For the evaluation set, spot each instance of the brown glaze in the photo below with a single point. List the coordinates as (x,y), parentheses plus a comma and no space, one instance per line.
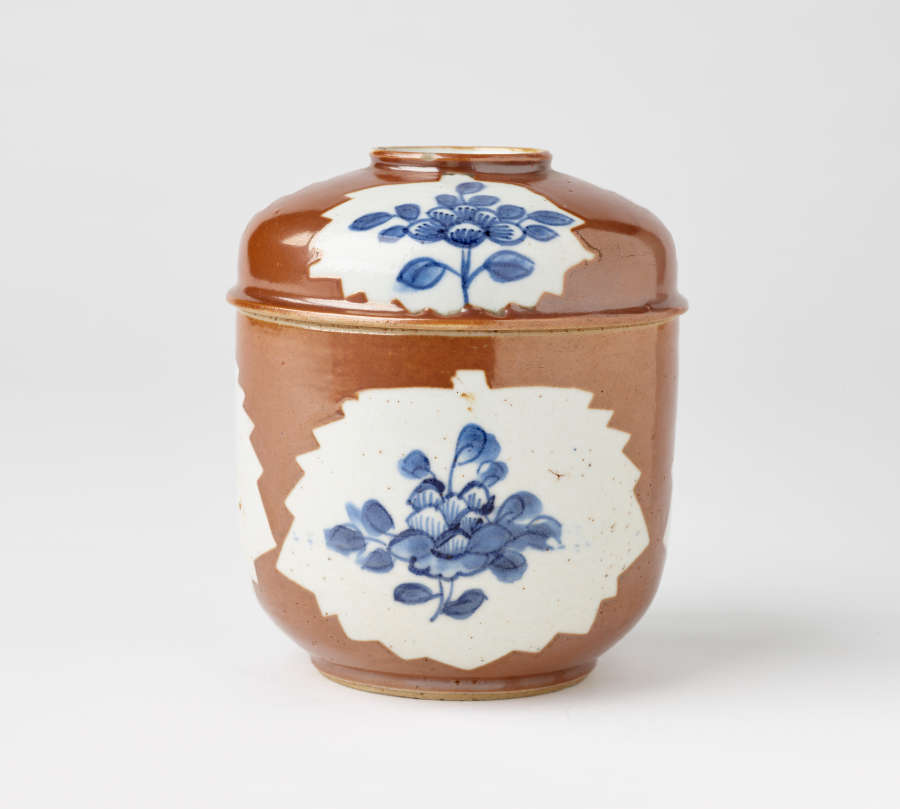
(296,378)
(304,348)
(633,272)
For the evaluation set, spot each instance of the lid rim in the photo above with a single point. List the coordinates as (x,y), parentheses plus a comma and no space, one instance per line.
(474,158)
(462,323)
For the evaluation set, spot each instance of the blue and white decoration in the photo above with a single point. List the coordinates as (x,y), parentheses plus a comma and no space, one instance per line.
(465,220)
(441,245)
(462,524)
(450,533)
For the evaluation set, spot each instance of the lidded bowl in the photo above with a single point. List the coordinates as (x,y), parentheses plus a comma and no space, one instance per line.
(457,374)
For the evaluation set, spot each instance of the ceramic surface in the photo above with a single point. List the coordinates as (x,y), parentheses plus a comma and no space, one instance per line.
(454,457)
(446,243)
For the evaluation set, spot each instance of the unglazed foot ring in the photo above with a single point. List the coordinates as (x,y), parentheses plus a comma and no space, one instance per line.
(456,689)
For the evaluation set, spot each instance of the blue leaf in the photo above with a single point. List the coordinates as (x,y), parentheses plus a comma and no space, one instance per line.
(551,218)
(508,265)
(379,561)
(375,518)
(370,220)
(415,465)
(517,506)
(470,443)
(353,513)
(344,539)
(411,544)
(546,526)
(484,200)
(408,212)
(490,450)
(489,538)
(422,273)
(537,534)
(511,213)
(527,540)
(468,188)
(392,234)
(491,473)
(465,605)
(447,200)
(540,233)
(410,593)
(508,566)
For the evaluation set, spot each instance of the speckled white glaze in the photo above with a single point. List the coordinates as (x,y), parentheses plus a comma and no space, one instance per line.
(555,446)
(365,263)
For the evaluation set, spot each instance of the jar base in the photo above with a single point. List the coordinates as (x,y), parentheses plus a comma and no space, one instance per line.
(396,685)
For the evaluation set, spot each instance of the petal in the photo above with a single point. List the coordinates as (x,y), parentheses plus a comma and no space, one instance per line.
(489,538)
(453,508)
(427,565)
(467,234)
(426,230)
(449,200)
(470,523)
(453,545)
(475,494)
(429,521)
(427,493)
(506,233)
(484,217)
(411,544)
(464,213)
(443,215)
(437,567)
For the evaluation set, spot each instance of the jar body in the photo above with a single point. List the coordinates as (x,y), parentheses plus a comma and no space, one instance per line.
(456,514)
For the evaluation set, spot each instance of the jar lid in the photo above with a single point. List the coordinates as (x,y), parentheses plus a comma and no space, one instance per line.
(457,238)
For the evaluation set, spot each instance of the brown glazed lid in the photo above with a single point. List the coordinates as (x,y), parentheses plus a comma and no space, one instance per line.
(457,238)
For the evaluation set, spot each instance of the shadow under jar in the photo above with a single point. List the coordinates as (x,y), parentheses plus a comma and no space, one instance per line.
(457,374)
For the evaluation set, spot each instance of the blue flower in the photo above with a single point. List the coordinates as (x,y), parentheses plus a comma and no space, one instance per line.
(465,226)
(465,220)
(450,534)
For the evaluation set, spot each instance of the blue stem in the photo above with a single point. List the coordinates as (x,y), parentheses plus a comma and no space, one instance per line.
(464,273)
(440,603)
(450,478)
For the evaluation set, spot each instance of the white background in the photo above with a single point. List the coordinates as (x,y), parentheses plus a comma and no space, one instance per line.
(137,140)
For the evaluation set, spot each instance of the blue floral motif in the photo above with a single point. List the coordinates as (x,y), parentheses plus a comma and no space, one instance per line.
(465,220)
(450,533)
